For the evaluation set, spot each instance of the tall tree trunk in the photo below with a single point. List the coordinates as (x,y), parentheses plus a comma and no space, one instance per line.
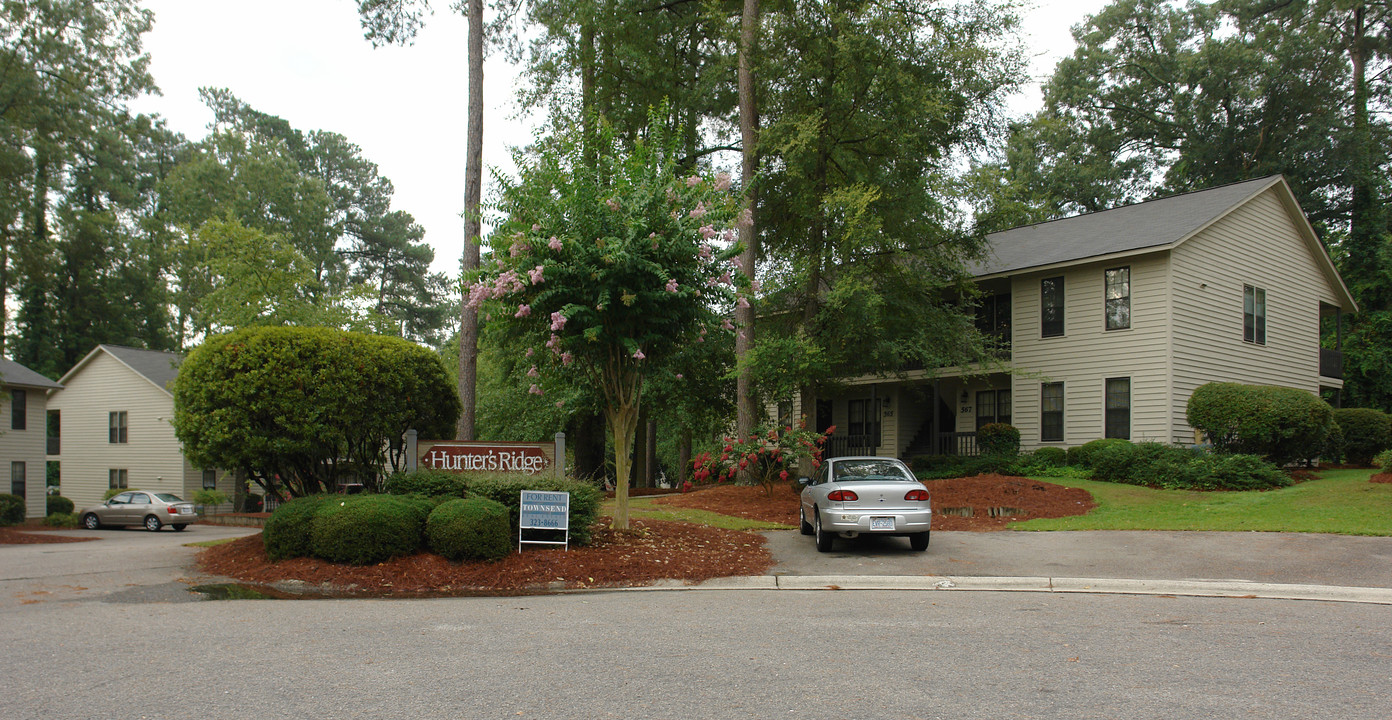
(587,87)
(623,420)
(683,458)
(4,285)
(473,192)
(650,454)
(749,121)
(1364,225)
(641,473)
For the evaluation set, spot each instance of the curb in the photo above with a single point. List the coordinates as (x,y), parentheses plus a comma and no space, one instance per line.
(1096,586)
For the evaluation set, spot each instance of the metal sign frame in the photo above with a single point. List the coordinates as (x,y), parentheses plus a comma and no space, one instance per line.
(543,515)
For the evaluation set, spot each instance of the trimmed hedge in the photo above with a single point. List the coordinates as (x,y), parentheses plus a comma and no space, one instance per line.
(61,519)
(1366,432)
(288,530)
(998,439)
(58,504)
(11,509)
(368,529)
(472,529)
(1049,457)
(1177,468)
(431,483)
(1279,423)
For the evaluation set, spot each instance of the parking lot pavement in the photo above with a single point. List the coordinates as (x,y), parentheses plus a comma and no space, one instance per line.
(1296,558)
(130,563)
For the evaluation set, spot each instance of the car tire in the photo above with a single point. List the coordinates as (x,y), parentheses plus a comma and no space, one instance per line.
(919,541)
(91,521)
(824,539)
(153,523)
(180,526)
(804,527)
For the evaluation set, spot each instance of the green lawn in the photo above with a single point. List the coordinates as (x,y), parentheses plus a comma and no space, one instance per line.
(1340,501)
(644,507)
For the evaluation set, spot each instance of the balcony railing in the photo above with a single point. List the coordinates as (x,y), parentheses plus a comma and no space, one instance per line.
(1331,364)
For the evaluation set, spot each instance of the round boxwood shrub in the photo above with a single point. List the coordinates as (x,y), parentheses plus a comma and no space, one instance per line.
(367,529)
(288,531)
(58,504)
(472,529)
(1113,462)
(1383,461)
(1334,445)
(998,439)
(61,519)
(11,509)
(1049,457)
(1081,456)
(1366,433)
(1282,424)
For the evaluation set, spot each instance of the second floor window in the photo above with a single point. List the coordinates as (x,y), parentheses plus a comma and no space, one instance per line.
(19,408)
(1051,307)
(993,317)
(1118,298)
(116,427)
(55,431)
(1253,314)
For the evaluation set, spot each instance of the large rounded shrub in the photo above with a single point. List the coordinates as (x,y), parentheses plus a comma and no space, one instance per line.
(472,529)
(367,529)
(1081,456)
(1279,423)
(998,439)
(11,509)
(1049,457)
(58,504)
(287,532)
(1366,432)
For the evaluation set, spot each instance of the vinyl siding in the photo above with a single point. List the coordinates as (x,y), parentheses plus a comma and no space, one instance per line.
(1257,244)
(1087,353)
(152,455)
(26,446)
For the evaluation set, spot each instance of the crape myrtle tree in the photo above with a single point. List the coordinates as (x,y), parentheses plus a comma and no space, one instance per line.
(300,409)
(612,265)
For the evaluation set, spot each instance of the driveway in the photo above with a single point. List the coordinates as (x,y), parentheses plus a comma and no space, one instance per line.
(122,564)
(1296,558)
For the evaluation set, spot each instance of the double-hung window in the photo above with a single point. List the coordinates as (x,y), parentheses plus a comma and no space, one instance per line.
(1253,314)
(1118,408)
(116,479)
(1117,291)
(864,421)
(1051,412)
(17,479)
(992,406)
(116,427)
(19,408)
(209,479)
(1051,307)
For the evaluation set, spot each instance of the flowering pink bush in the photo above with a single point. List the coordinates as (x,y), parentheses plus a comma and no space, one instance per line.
(769,455)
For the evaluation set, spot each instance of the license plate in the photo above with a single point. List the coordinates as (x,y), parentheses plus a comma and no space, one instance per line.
(185,510)
(881,523)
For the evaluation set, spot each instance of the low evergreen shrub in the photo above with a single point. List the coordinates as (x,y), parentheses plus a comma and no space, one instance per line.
(1279,423)
(506,489)
(288,531)
(1081,456)
(1049,457)
(58,504)
(1383,461)
(1334,445)
(11,509)
(998,439)
(430,483)
(1178,468)
(367,529)
(472,529)
(61,519)
(1366,432)
(209,497)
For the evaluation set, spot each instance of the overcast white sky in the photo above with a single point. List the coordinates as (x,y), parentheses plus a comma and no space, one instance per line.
(307,61)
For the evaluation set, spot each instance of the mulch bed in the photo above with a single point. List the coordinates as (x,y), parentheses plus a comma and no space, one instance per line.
(1381,478)
(981,493)
(35,534)
(651,550)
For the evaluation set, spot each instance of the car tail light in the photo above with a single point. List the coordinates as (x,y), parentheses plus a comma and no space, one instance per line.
(842,496)
(171,510)
(917,495)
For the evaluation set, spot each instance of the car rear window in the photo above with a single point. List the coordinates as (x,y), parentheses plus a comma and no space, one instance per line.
(169,497)
(861,470)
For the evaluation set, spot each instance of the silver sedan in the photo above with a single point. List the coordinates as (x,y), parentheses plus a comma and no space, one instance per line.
(851,496)
(137,507)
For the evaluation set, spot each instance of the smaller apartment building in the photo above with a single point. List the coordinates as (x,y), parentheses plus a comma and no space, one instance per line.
(23,431)
(116,412)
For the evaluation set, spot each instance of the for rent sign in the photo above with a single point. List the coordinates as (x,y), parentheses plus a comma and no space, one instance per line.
(526,458)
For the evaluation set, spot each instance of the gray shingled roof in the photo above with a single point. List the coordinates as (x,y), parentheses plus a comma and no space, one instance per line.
(1151,224)
(158,366)
(12,373)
